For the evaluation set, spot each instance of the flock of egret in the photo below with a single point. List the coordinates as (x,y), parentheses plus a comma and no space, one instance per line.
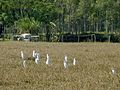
(36,57)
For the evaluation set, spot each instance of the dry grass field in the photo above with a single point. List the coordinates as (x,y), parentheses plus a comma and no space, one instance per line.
(91,72)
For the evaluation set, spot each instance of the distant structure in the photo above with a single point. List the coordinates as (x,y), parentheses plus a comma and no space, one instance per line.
(26,37)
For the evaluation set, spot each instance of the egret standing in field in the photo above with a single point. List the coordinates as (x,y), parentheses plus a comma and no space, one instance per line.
(24,61)
(113,71)
(48,60)
(65,62)
(74,61)
(22,56)
(34,54)
(65,58)
(37,59)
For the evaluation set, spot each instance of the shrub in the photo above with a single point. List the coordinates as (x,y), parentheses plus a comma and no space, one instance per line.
(115,38)
(101,37)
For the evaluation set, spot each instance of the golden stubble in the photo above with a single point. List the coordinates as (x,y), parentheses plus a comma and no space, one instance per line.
(91,72)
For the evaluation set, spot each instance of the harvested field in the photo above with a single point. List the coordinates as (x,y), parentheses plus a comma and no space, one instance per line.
(91,72)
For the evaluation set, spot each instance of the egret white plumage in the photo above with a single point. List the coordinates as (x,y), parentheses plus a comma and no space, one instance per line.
(65,62)
(65,58)
(48,60)
(37,59)
(24,61)
(74,61)
(113,71)
(22,55)
(34,54)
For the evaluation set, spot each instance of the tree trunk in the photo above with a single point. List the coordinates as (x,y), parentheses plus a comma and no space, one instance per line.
(97,25)
(84,23)
(106,23)
(47,33)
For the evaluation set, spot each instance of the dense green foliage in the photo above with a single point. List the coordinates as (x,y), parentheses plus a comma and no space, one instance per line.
(57,17)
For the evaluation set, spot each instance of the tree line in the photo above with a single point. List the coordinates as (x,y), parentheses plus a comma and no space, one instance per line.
(55,18)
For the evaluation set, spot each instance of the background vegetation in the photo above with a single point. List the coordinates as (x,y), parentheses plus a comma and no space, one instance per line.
(51,18)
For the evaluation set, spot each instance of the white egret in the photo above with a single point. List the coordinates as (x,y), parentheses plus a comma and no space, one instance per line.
(74,61)
(65,62)
(33,53)
(113,71)
(24,61)
(65,58)
(36,55)
(37,59)
(48,60)
(22,55)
